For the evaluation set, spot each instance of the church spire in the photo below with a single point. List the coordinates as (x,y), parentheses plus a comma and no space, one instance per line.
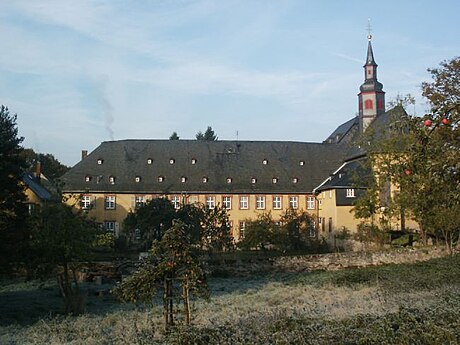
(371,97)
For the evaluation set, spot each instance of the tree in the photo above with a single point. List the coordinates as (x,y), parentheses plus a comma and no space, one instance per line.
(208,135)
(50,166)
(174,136)
(259,233)
(172,261)
(207,228)
(151,219)
(13,232)
(59,239)
(215,233)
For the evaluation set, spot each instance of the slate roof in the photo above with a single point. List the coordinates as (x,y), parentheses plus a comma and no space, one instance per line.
(343,131)
(43,193)
(216,160)
(350,175)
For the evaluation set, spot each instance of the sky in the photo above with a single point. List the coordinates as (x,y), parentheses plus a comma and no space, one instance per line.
(77,73)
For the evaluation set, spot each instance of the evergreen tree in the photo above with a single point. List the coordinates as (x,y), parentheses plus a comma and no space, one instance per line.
(174,136)
(208,135)
(50,166)
(12,198)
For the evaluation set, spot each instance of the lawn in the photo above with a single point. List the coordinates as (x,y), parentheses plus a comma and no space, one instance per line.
(392,304)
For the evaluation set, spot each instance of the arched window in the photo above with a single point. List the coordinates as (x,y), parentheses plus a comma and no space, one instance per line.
(368,104)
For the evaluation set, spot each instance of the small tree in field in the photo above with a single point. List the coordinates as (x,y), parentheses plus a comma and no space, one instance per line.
(60,238)
(172,263)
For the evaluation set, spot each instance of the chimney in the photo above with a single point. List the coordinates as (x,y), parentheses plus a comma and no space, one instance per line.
(84,153)
(38,171)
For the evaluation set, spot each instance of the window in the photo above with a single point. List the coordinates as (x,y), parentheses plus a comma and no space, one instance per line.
(86,202)
(301,163)
(211,202)
(253,180)
(149,161)
(229,180)
(193,161)
(294,202)
(265,162)
(110,202)
(368,104)
(88,178)
(350,193)
(277,204)
(311,232)
(310,202)
(260,202)
(242,229)
(204,179)
(139,200)
(109,226)
(227,202)
(137,179)
(330,224)
(100,161)
(275,180)
(172,161)
(112,179)
(244,202)
(176,202)
(161,178)
(295,180)
(322,221)
(183,179)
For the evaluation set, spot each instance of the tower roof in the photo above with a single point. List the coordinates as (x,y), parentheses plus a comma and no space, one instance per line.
(370,54)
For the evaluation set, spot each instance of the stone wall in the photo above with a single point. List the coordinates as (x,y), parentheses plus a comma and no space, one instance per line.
(329,261)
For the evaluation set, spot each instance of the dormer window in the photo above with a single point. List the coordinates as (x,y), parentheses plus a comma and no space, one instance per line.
(204,179)
(193,161)
(253,180)
(149,161)
(301,163)
(183,179)
(172,161)
(229,180)
(100,161)
(295,180)
(265,162)
(137,179)
(160,179)
(87,178)
(275,180)
(112,179)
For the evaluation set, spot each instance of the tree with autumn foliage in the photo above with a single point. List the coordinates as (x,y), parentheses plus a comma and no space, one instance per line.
(421,155)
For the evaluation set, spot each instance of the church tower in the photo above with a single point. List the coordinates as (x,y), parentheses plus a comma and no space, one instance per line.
(371,97)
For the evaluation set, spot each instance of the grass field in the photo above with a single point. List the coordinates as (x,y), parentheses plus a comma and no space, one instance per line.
(393,304)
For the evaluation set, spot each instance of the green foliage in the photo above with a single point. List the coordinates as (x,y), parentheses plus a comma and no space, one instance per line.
(174,136)
(260,232)
(172,260)
(60,238)
(207,228)
(289,234)
(50,166)
(152,219)
(369,233)
(208,135)
(13,231)
(105,240)
(215,235)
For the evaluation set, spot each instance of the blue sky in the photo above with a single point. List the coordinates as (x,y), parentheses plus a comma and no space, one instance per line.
(81,72)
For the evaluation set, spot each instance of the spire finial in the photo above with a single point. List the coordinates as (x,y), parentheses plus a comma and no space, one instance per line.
(369,29)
